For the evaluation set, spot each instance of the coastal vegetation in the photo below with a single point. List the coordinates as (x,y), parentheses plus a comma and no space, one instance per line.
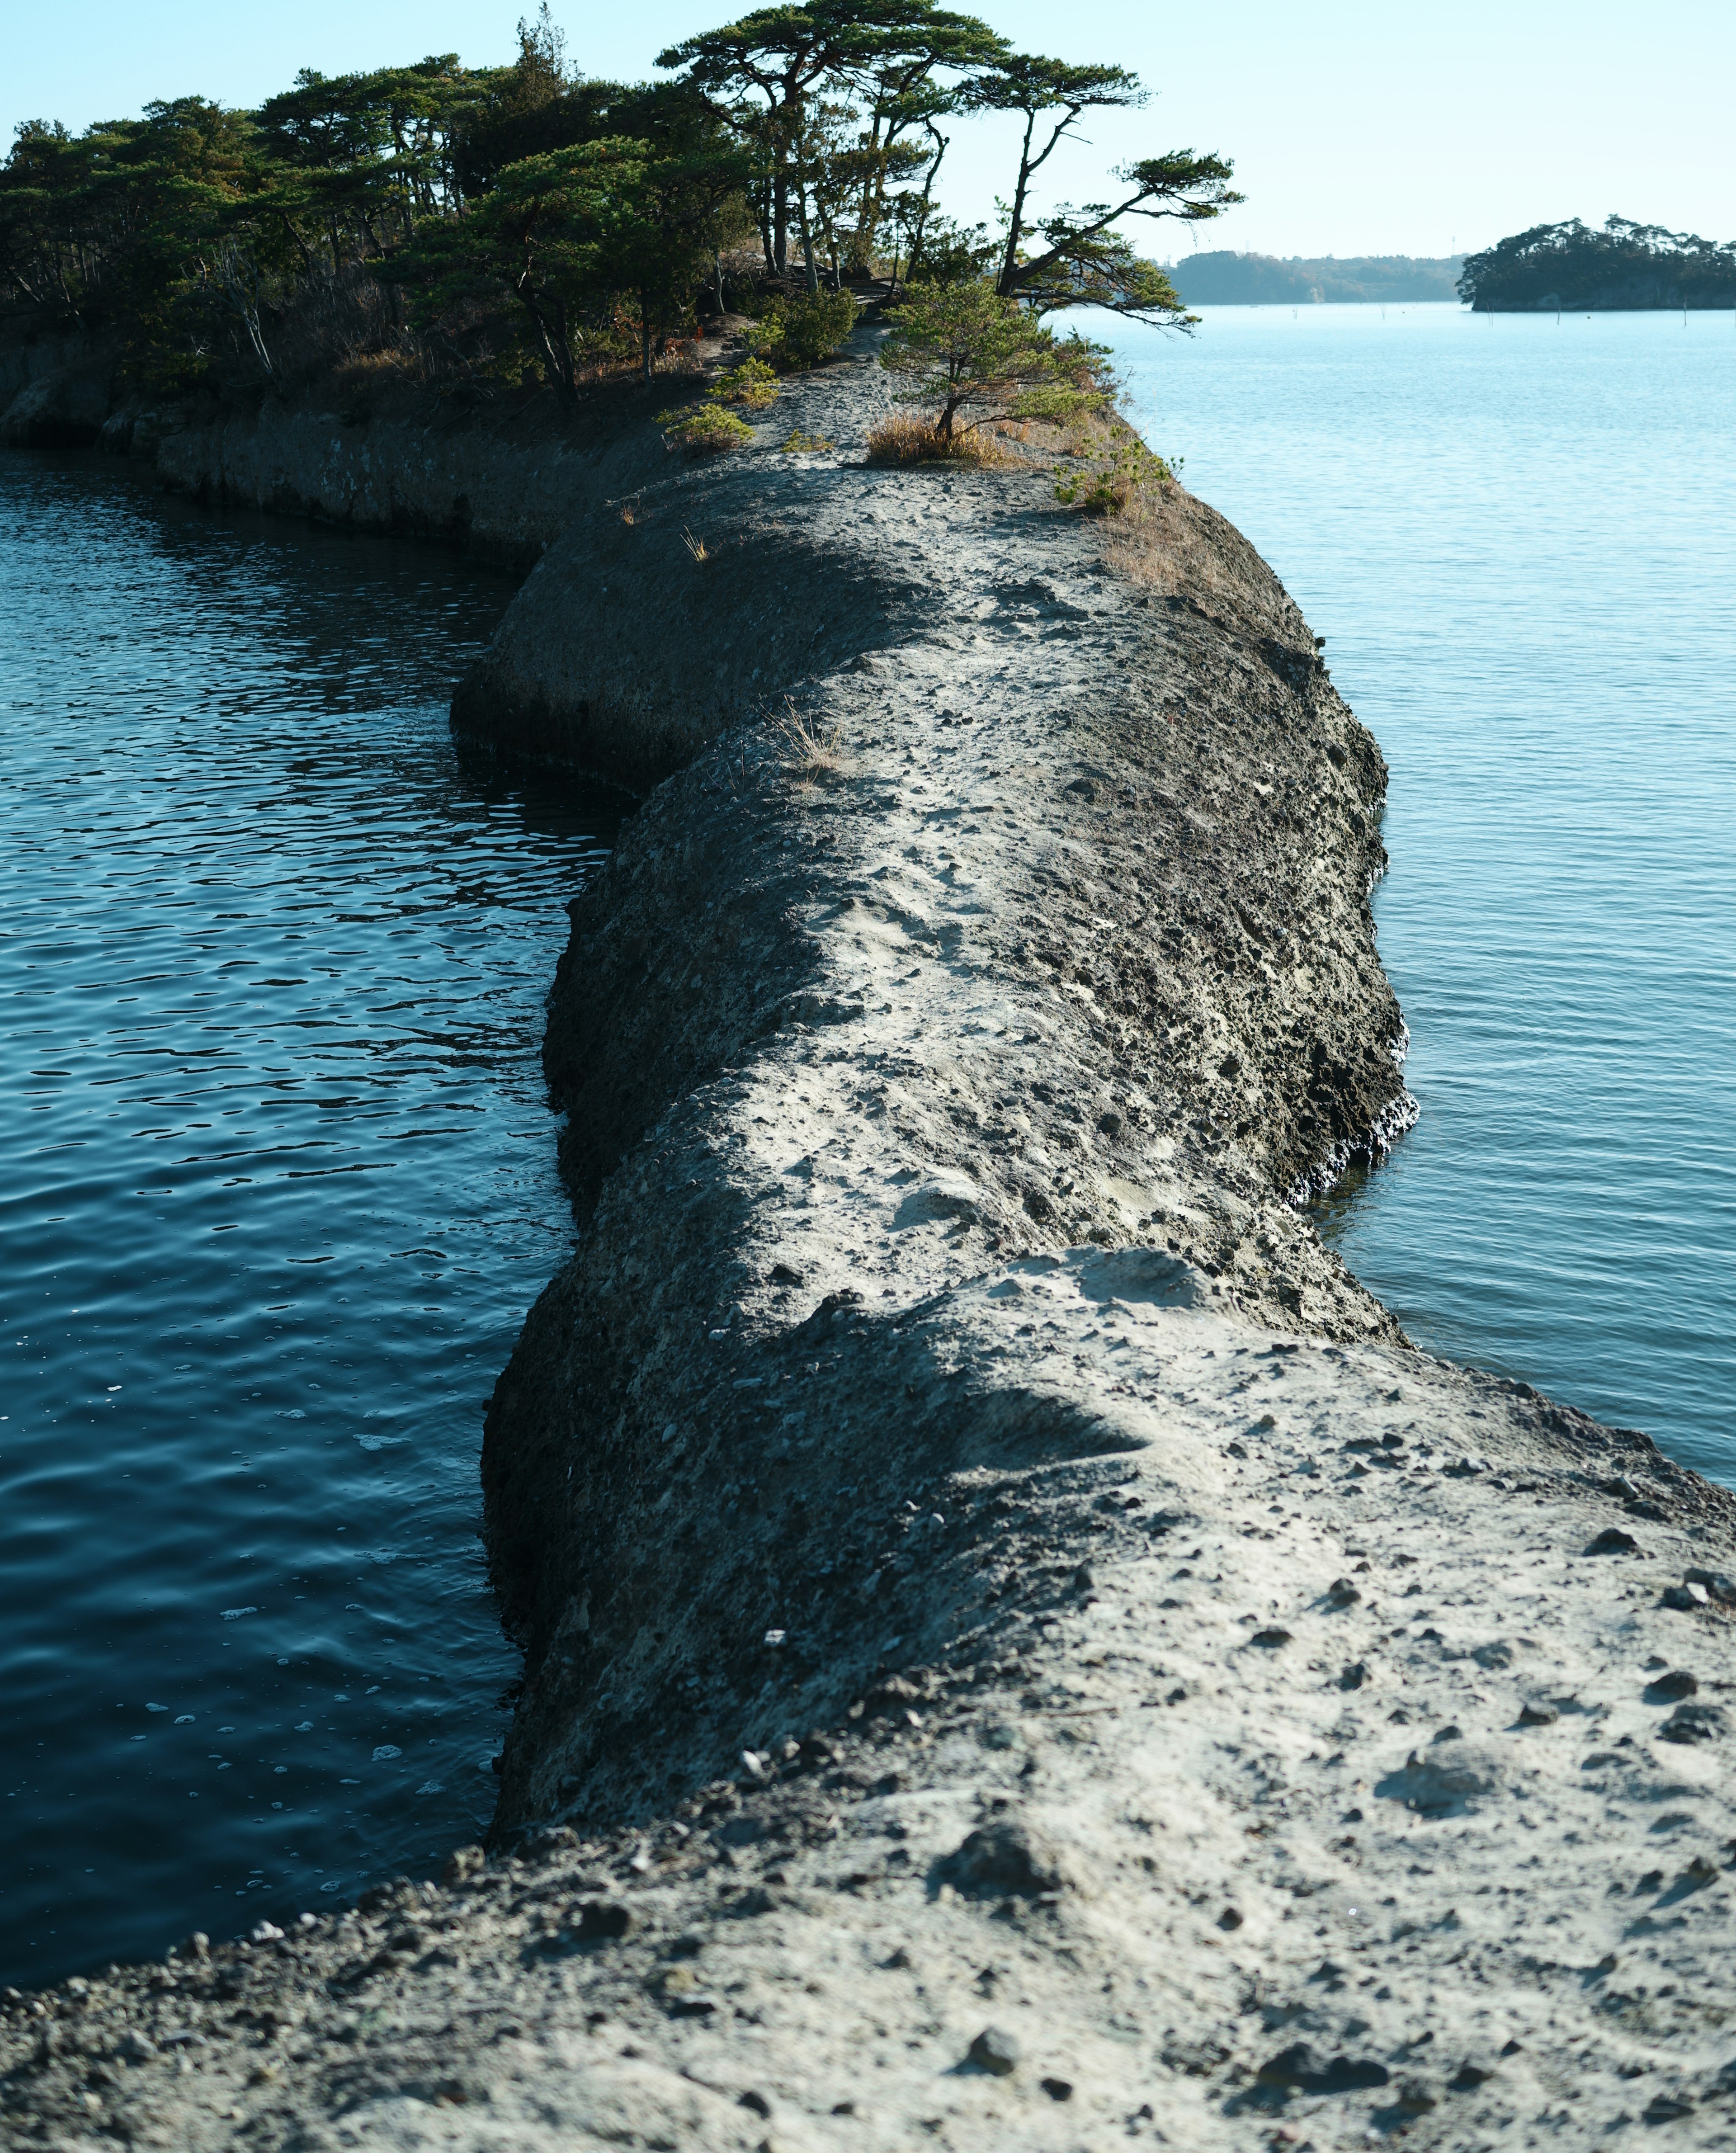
(1624,266)
(983,359)
(439,226)
(1222,279)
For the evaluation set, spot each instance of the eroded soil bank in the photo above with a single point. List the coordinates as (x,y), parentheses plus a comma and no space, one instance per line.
(1019,1650)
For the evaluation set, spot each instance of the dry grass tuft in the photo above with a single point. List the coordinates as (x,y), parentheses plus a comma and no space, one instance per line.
(812,749)
(696,547)
(363,377)
(366,369)
(905,439)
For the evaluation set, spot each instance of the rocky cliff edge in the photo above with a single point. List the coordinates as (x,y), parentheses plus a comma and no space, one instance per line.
(1019,1651)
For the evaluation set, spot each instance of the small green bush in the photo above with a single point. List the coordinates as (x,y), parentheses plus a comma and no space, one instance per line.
(704,430)
(753,382)
(799,332)
(1108,484)
(981,358)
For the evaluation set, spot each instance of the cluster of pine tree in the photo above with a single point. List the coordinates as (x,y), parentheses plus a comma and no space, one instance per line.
(1626,267)
(526,222)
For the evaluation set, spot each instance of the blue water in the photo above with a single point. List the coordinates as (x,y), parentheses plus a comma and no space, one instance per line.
(276,1185)
(1519,538)
(277,1179)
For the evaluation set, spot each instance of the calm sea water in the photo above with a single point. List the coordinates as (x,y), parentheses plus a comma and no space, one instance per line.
(1519,537)
(277,1177)
(276,1184)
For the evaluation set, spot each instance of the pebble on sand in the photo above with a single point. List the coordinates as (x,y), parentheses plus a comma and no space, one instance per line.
(993,2050)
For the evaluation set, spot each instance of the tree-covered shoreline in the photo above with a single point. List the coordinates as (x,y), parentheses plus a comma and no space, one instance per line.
(448,228)
(1223,278)
(1625,267)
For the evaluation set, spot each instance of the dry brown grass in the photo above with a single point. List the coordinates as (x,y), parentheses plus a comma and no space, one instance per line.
(812,751)
(1155,532)
(904,439)
(1174,544)
(364,379)
(366,369)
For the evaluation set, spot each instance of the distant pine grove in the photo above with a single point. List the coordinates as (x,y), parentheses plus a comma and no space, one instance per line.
(1567,267)
(1625,268)
(449,227)
(1224,279)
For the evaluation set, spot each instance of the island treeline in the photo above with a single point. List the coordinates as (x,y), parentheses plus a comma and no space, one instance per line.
(1221,278)
(452,225)
(1625,267)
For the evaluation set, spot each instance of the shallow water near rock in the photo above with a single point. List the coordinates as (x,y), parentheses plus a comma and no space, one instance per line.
(1519,538)
(279,1185)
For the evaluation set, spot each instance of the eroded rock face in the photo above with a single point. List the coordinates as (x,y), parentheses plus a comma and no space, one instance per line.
(63,408)
(504,485)
(1008,1622)
(1024,923)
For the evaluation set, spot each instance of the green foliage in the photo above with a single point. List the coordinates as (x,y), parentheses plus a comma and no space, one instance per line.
(753,382)
(432,221)
(949,253)
(1082,261)
(1114,473)
(982,357)
(1099,270)
(566,233)
(163,227)
(1625,265)
(798,334)
(705,429)
(372,155)
(794,79)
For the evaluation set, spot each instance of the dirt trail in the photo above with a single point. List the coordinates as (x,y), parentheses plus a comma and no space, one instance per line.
(1019,1651)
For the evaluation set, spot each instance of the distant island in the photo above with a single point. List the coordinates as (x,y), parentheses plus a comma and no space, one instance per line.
(1625,267)
(1224,279)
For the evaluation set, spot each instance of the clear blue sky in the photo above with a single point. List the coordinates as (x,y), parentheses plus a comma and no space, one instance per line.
(1354,128)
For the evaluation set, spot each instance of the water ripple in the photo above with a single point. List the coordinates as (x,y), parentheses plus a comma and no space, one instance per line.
(1519,538)
(278,1185)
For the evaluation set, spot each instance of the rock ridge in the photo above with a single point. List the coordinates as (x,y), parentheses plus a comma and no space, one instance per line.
(1019,1651)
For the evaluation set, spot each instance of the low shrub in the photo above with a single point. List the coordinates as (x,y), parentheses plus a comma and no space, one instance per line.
(704,430)
(982,358)
(905,439)
(811,746)
(1114,477)
(753,382)
(798,332)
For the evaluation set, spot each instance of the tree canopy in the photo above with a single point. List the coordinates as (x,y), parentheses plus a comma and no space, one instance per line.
(982,358)
(528,220)
(1626,265)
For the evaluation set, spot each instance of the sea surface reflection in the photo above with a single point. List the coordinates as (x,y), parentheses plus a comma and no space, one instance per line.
(278,1185)
(1518,537)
